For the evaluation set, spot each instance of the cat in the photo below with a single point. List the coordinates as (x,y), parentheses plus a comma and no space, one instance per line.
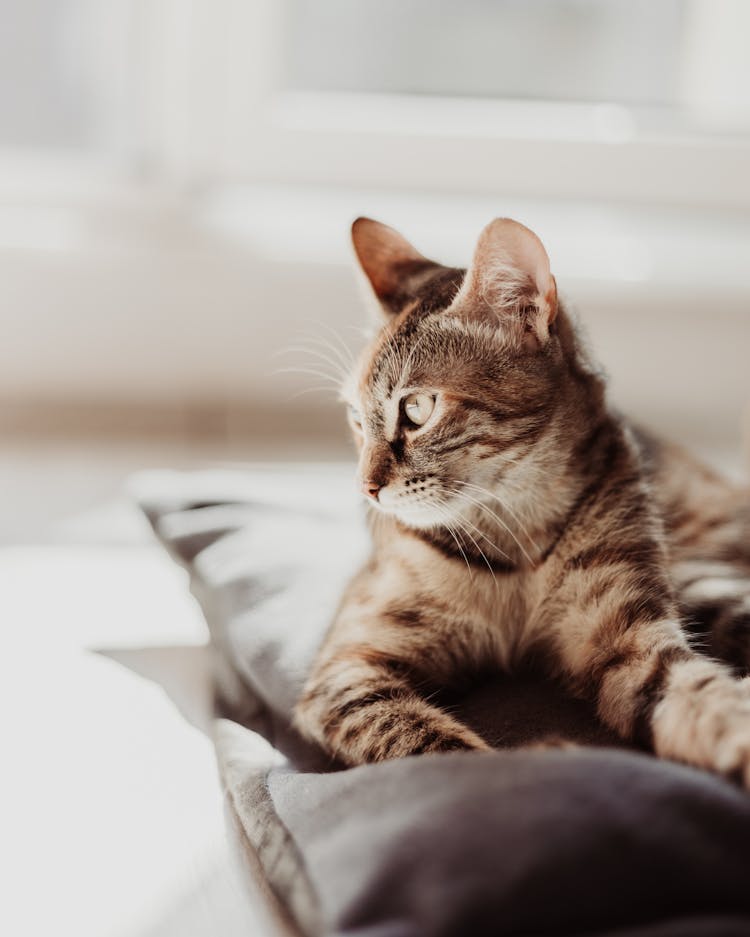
(514,515)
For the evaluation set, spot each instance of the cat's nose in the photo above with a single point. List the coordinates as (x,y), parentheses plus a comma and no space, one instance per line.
(371,489)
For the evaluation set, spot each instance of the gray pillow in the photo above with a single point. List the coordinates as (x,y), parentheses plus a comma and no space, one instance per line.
(592,840)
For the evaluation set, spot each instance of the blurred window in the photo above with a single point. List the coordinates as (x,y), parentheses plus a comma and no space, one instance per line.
(66,74)
(453,95)
(684,59)
(558,50)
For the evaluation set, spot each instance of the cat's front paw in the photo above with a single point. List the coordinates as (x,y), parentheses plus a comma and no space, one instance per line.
(732,732)
(704,720)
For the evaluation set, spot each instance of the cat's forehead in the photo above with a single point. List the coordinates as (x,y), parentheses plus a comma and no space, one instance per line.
(436,351)
(399,354)
(412,337)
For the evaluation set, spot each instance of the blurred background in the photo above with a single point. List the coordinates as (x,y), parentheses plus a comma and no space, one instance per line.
(177,181)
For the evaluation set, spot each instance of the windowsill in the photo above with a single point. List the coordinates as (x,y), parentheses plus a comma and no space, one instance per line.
(476,118)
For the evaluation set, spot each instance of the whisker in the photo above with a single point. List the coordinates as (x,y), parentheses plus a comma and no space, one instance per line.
(319,356)
(314,372)
(321,389)
(461,494)
(346,363)
(505,507)
(318,324)
(484,537)
(348,354)
(448,527)
(478,531)
(483,507)
(461,523)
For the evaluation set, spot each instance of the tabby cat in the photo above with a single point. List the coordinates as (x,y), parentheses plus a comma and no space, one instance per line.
(514,514)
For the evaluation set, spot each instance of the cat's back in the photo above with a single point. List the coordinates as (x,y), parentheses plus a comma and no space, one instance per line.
(704,514)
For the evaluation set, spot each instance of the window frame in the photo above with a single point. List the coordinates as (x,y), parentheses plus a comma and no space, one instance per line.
(212,110)
(546,149)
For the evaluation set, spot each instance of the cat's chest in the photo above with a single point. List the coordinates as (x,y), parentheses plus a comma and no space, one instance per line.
(492,609)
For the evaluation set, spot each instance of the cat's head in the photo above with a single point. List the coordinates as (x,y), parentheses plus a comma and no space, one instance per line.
(466,386)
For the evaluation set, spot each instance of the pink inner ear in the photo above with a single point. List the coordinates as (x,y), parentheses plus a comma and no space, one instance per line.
(512,243)
(508,252)
(529,254)
(385,256)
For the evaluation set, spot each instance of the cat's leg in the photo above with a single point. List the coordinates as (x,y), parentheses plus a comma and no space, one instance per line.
(363,700)
(714,598)
(621,643)
(362,703)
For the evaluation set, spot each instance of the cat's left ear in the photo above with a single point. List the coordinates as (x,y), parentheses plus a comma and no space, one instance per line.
(510,280)
(392,265)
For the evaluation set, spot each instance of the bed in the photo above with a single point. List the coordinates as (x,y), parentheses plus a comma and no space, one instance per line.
(592,838)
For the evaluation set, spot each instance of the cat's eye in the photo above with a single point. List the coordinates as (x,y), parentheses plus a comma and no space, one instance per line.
(418,408)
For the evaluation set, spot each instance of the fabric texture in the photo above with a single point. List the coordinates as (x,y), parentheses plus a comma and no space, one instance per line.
(595,840)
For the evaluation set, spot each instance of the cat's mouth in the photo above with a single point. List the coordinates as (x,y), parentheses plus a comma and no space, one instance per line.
(421,511)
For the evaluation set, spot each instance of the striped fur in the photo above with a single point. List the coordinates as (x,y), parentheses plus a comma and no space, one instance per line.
(524,518)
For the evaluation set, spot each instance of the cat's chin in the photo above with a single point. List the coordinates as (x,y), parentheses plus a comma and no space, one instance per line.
(419,518)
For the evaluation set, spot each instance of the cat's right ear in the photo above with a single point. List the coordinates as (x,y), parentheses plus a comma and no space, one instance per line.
(389,261)
(509,282)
